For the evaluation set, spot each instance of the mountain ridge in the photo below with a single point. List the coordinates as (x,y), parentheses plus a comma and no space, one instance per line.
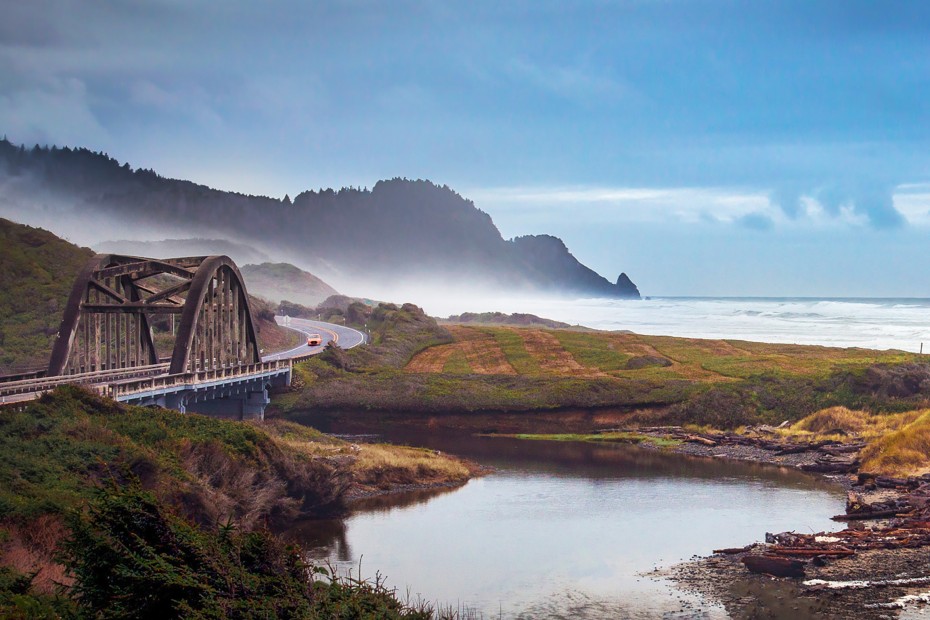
(400,230)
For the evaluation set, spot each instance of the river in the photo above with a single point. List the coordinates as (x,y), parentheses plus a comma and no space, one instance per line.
(567,530)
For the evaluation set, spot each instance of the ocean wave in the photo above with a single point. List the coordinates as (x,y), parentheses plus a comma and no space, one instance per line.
(869,323)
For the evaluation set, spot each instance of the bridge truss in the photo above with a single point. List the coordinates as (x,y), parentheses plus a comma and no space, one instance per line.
(115,300)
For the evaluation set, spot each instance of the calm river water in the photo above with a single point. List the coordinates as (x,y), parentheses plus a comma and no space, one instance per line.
(568,530)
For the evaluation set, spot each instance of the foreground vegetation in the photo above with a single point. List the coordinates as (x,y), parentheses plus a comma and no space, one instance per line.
(130,556)
(166,513)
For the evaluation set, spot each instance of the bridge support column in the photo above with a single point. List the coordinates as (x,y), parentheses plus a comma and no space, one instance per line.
(247,403)
(237,398)
(253,407)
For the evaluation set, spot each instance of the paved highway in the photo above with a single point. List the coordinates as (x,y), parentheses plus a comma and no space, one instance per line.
(345,337)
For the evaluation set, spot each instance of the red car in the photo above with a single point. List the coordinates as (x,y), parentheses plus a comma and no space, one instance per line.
(314,340)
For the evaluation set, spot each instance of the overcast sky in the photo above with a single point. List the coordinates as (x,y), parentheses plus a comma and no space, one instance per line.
(704,147)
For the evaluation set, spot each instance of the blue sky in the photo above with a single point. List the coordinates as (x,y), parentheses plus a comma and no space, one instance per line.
(704,147)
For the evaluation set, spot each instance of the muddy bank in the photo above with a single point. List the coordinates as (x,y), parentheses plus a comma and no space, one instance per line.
(358,492)
(875,566)
(762,445)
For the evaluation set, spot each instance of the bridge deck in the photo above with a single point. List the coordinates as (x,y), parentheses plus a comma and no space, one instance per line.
(138,383)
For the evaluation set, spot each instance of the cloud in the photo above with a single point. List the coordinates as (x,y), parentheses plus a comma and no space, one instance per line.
(912,201)
(755,221)
(55,110)
(878,206)
(870,206)
(788,200)
(860,203)
(573,83)
(626,204)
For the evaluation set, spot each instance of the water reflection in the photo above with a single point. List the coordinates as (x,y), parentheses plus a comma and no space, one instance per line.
(323,539)
(596,461)
(566,529)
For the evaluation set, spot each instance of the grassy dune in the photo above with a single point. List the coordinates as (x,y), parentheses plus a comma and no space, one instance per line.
(417,366)
(897,444)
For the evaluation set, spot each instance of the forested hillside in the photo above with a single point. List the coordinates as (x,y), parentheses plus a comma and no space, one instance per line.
(400,229)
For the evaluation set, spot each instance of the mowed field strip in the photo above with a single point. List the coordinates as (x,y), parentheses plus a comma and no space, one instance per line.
(483,356)
(487,350)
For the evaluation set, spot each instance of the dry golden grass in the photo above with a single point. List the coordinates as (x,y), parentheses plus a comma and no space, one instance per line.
(484,355)
(384,465)
(902,452)
(834,418)
(474,351)
(841,423)
(373,465)
(593,355)
(432,359)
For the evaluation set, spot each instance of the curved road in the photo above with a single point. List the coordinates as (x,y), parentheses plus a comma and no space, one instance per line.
(345,337)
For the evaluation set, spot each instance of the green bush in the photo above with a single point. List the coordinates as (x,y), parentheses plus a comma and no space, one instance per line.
(133,558)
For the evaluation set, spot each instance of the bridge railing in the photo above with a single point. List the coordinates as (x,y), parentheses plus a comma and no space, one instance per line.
(130,387)
(128,381)
(41,384)
(28,375)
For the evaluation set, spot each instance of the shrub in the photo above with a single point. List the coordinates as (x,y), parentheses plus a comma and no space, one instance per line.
(833,419)
(905,451)
(133,558)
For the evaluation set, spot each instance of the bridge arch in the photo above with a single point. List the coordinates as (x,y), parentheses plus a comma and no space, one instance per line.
(107,323)
(217,328)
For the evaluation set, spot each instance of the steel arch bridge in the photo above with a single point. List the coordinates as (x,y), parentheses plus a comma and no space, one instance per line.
(107,320)
(106,341)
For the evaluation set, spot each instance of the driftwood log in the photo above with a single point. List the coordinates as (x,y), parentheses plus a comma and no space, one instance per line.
(774,565)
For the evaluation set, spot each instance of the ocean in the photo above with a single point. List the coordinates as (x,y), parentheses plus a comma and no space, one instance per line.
(872,323)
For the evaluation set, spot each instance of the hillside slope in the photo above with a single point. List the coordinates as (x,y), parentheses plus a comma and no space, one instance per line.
(283,281)
(38,271)
(129,502)
(401,231)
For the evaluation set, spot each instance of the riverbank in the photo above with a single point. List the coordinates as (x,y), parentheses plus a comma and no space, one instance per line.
(873,568)
(868,567)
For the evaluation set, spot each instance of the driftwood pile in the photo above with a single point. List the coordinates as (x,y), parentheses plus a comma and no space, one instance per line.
(901,522)
(833,457)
